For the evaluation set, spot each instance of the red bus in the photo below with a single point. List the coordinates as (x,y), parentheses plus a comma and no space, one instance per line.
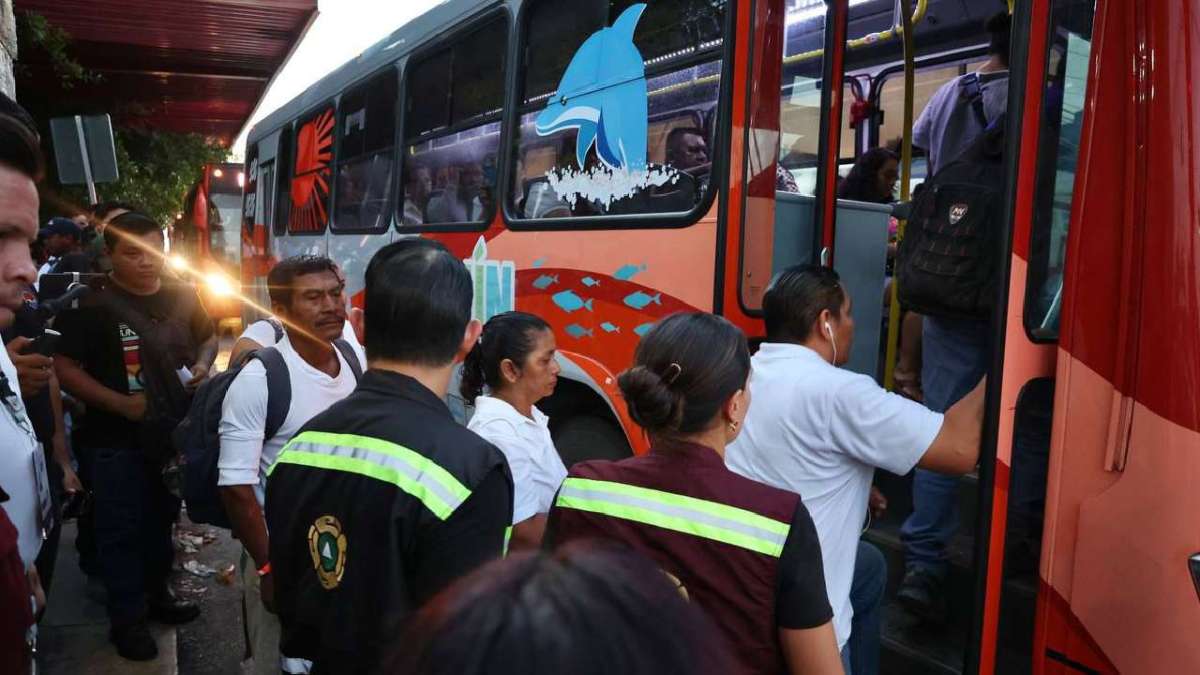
(469,125)
(205,239)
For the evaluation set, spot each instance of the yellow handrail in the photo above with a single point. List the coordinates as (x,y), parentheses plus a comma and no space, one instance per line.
(872,38)
(893,339)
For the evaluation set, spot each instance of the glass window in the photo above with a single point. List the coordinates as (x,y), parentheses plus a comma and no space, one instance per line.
(364,176)
(452,130)
(311,173)
(223,240)
(283,189)
(266,178)
(619,106)
(1062,123)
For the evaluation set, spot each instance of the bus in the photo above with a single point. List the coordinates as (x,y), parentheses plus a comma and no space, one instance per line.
(206,240)
(604,164)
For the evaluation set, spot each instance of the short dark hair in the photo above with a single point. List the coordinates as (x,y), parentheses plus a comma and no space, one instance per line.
(999,28)
(418,303)
(283,275)
(678,132)
(797,297)
(511,336)
(131,224)
(588,609)
(685,369)
(19,148)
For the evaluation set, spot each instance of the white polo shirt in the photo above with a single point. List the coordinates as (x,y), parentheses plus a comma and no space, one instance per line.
(537,470)
(19,452)
(245,455)
(820,431)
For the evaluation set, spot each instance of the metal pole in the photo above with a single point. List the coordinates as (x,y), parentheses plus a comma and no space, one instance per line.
(87,161)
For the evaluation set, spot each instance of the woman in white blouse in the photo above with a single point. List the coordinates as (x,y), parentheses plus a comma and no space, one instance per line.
(514,360)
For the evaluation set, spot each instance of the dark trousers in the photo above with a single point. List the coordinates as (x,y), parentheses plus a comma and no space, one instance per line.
(134,514)
(85,536)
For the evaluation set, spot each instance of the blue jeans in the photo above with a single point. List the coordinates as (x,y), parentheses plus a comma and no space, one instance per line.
(954,356)
(134,514)
(861,653)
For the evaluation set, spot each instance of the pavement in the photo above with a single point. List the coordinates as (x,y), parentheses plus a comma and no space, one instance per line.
(73,634)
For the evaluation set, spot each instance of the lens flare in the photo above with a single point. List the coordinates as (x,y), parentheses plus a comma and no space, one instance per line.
(220,285)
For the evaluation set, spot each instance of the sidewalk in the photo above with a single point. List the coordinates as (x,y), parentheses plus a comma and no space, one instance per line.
(73,635)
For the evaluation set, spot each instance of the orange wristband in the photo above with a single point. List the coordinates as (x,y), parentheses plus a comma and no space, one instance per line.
(264,570)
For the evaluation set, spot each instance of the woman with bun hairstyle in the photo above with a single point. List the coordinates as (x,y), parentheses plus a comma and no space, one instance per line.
(514,362)
(745,552)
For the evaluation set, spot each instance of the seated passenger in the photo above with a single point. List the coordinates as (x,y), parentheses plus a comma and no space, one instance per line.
(687,151)
(872,178)
(586,610)
(821,431)
(745,552)
(416,194)
(514,359)
(459,203)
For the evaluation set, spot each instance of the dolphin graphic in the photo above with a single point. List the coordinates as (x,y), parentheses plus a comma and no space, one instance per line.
(602,95)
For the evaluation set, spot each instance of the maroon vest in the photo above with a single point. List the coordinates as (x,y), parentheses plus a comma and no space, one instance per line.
(725,553)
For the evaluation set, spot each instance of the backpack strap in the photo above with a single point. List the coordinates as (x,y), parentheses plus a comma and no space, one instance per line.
(279,389)
(277,326)
(351,357)
(970,88)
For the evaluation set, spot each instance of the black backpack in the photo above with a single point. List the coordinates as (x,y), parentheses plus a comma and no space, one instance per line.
(198,438)
(949,259)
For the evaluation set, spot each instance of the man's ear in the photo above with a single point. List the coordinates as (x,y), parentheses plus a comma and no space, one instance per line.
(470,337)
(357,320)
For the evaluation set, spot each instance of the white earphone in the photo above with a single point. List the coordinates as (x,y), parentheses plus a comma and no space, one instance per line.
(829,331)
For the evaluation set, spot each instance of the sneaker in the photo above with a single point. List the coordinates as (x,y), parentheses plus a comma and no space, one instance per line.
(168,608)
(921,594)
(133,641)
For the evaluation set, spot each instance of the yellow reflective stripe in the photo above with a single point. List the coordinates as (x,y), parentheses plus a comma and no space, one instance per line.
(375,458)
(686,515)
(507,539)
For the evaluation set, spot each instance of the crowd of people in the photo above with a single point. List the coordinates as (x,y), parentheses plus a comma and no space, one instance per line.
(379,534)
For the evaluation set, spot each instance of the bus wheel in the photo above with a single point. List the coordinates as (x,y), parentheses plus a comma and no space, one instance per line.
(590,437)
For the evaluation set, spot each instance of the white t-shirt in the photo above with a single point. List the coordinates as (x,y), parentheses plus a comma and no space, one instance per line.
(537,470)
(19,449)
(820,431)
(263,333)
(245,458)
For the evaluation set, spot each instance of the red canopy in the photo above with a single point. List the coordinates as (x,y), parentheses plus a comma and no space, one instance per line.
(180,65)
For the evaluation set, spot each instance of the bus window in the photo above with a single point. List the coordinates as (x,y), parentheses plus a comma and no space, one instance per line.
(453,100)
(364,173)
(282,188)
(223,233)
(1062,123)
(311,171)
(583,145)
(266,181)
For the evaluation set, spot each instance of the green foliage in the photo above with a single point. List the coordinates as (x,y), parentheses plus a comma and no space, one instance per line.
(34,31)
(157,168)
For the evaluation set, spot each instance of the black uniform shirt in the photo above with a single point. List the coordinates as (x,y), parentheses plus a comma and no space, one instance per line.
(377,504)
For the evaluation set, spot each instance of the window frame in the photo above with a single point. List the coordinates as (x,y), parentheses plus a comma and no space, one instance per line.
(397,135)
(416,58)
(295,124)
(959,56)
(718,172)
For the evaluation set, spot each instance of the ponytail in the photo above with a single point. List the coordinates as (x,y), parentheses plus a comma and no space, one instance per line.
(508,336)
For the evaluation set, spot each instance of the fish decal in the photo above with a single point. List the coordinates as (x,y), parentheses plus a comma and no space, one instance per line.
(568,302)
(643,329)
(578,332)
(589,282)
(545,281)
(610,328)
(639,300)
(611,117)
(540,262)
(627,272)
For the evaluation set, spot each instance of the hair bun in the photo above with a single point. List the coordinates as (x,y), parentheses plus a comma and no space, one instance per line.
(651,402)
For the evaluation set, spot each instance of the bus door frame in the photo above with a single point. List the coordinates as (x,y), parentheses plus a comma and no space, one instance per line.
(829,152)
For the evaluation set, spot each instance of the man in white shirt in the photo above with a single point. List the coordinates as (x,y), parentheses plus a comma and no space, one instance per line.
(25,485)
(307,294)
(821,431)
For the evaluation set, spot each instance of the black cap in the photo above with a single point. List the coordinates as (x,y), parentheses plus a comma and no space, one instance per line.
(64,226)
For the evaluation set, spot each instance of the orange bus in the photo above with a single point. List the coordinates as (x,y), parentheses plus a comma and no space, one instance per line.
(205,239)
(604,164)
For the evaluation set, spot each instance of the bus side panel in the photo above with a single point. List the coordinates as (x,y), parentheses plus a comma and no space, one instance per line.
(1121,509)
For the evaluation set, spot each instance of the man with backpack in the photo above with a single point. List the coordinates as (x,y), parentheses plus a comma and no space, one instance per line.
(947,270)
(133,353)
(277,391)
